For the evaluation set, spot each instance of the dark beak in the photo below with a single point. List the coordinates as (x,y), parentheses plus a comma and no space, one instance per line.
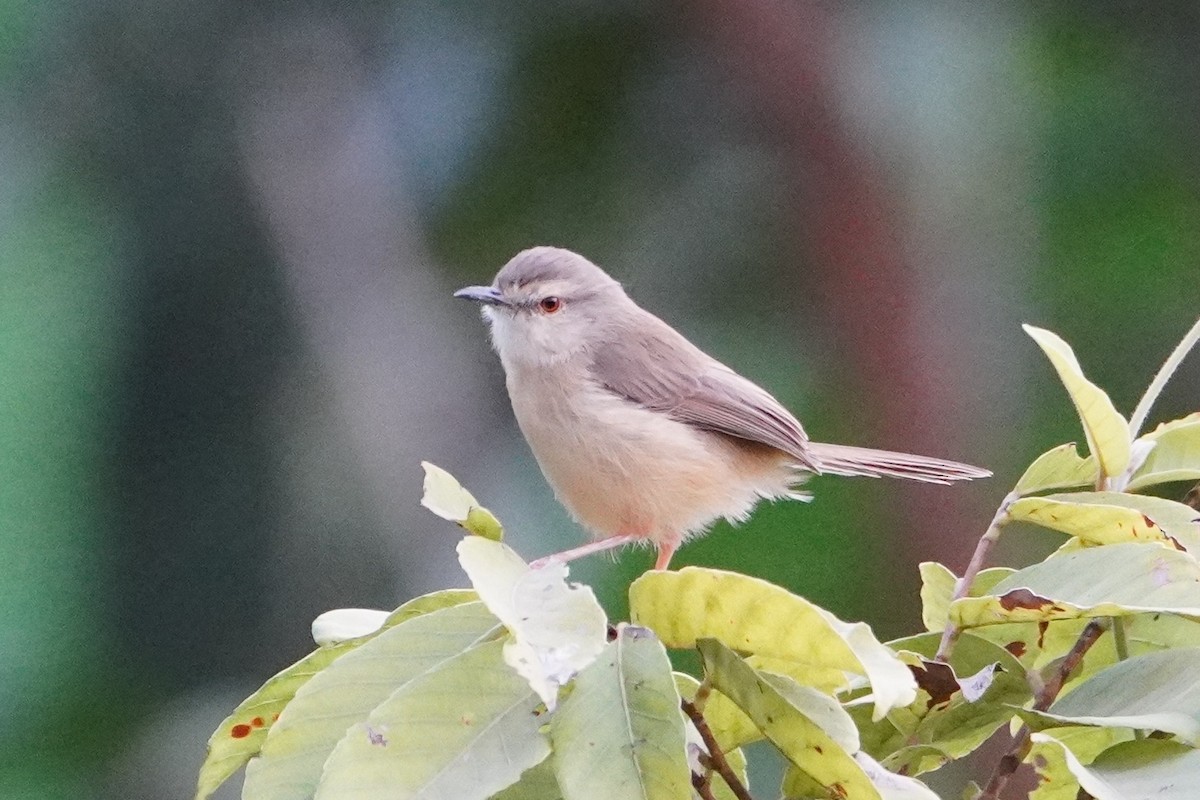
(482,294)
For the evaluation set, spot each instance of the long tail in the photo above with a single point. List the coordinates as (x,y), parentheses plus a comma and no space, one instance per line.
(840,459)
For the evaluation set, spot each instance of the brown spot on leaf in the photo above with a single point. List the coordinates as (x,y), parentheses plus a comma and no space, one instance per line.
(1023,598)
(257,722)
(1016,648)
(937,680)
(240,731)
(1042,627)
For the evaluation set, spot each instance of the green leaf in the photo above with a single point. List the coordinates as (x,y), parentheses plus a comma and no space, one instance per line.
(944,717)
(558,629)
(1060,468)
(463,730)
(620,732)
(241,735)
(1175,457)
(345,692)
(446,497)
(1106,430)
(1163,770)
(537,783)
(810,728)
(1155,692)
(916,759)
(754,616)
(1116,580)
(1110,517)
(937,587)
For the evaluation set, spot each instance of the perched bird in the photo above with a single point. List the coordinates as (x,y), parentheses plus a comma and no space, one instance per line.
(642,435)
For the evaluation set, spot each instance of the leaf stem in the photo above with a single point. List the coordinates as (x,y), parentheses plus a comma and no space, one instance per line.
(951,632)
(1160,380)
(1119,638)
(715,756)
(1046,695)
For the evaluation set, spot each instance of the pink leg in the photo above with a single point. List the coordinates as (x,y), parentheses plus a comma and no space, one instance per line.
(584,550)
(665,551)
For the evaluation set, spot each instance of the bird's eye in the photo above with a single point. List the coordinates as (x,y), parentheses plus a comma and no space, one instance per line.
(550,304)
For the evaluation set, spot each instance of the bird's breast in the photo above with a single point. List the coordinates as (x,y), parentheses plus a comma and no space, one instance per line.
(623,469)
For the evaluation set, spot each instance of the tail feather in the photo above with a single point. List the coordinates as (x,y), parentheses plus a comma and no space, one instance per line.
(840,459)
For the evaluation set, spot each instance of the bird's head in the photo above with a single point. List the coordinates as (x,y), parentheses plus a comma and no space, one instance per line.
(546,305)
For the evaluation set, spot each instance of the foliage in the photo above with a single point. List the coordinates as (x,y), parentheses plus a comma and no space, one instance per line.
(520,688)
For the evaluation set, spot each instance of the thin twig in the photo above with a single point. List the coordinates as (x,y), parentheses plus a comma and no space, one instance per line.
(703,786)
(951,632)
(1160,380)
(716,757)
(1046,695)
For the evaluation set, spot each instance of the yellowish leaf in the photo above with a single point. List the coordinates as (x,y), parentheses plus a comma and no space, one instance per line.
(1107,431)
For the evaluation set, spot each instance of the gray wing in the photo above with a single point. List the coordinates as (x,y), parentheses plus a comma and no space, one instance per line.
(661,370)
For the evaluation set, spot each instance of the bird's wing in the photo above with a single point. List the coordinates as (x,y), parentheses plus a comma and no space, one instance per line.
(661,370)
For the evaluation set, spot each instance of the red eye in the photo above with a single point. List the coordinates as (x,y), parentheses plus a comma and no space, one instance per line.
(550,304)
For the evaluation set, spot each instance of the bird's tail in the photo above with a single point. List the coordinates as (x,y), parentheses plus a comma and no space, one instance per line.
(840,459)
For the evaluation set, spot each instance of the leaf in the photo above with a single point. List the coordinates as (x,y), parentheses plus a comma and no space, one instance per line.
(810,728)
(754,616)
(342,624)
(620,732)
(1116,580)
(462,730)
(916,759)
(1037,644)
(536,783)
(1175,457)
(943,716)
(243,732)
(1160,769)
(1153,692)
(1110,517)
(1060,468)
(557,629)
(446,497)
(937,587)
(1106,430)
(345,692)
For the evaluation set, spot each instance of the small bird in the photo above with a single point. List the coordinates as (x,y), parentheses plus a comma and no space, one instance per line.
(643,436)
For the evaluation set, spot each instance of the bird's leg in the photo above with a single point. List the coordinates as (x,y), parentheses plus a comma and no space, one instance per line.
(585,550)
(665,551)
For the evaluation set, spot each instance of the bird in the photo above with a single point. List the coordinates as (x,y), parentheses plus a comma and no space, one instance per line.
(643,436)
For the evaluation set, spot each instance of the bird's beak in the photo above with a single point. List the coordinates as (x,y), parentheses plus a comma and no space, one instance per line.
(483,294)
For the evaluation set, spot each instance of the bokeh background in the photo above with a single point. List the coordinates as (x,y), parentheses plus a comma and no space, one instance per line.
(229,233)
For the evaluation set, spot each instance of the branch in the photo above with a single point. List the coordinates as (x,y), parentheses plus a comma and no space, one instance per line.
(703,786)
(951,632)
(715,756)
(1045,696)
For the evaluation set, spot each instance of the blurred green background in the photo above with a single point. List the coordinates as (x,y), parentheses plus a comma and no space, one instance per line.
(229,233)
